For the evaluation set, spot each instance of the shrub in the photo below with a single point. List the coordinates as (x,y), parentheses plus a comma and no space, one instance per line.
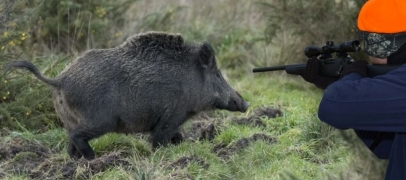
(293,25)
(34,30)
(69,25)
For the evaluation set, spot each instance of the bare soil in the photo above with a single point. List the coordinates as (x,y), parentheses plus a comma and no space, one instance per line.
(255,119)
(185,161)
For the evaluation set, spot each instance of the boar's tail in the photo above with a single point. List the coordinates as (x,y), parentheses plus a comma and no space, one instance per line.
(33,69)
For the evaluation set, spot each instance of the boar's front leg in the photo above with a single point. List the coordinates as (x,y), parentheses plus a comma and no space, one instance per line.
(177,138)
(166,130)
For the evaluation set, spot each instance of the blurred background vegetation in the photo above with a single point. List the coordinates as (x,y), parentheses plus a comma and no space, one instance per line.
(245,34)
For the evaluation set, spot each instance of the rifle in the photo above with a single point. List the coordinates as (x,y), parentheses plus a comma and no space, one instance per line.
(329,66)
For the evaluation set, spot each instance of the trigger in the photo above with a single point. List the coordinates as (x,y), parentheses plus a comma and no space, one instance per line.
(338,72)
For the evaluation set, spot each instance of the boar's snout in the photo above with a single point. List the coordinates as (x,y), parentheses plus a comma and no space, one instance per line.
(237,103)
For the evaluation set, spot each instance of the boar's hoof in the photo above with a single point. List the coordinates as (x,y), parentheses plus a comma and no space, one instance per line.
(82,146)
(163,142)
(73,151)
(88,154)
(177,138)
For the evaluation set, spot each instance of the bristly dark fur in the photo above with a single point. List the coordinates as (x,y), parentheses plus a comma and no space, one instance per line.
(159,39)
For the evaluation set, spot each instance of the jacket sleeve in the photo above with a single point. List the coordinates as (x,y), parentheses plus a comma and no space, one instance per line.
(372,104)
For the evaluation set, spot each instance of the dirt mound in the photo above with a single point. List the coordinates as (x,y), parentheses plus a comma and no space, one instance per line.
(185,161)
(204,127)
(201,130)
(18,145)
(226,151)
(20,156)
(268,112)
(255,119)
(250,121)
(84,168)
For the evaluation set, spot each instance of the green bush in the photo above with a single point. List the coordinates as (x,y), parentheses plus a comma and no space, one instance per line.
(34,30)
(68,25)
(293,25)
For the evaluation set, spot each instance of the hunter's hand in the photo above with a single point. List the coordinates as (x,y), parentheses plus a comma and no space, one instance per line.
(311,74)
(359,66)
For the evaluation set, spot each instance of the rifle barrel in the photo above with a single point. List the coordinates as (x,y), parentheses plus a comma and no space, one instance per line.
(288,68)
(274,68)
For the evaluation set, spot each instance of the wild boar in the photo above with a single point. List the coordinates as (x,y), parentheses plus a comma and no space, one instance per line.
(152,83)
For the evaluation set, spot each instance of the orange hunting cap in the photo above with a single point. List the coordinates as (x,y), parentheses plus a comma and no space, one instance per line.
(383,16)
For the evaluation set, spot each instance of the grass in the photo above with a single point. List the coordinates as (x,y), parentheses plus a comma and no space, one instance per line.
(305,148)
(295,145)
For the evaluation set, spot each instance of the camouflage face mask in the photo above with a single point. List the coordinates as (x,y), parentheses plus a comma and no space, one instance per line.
(381,45)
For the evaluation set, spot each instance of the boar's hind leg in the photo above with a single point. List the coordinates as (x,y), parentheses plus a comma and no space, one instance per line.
(80,138)
(73,151)
(166,131)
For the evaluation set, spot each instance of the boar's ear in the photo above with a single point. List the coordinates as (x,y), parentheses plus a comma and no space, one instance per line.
(206,56)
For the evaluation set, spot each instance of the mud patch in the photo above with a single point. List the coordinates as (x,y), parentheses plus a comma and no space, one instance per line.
(209,132)
(268,112)
(12,148)
(84,169)
(251,121)
(201,130)
(20,156)
(205,127)
(255,119)
(226,151)
(185,161)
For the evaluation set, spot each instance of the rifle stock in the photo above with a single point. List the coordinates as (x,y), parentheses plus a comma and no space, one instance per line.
(375,70)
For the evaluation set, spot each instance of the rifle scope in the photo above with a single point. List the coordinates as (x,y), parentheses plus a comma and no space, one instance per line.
(349,46)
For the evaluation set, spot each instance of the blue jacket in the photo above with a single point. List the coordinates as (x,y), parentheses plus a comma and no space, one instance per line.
(371,104)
